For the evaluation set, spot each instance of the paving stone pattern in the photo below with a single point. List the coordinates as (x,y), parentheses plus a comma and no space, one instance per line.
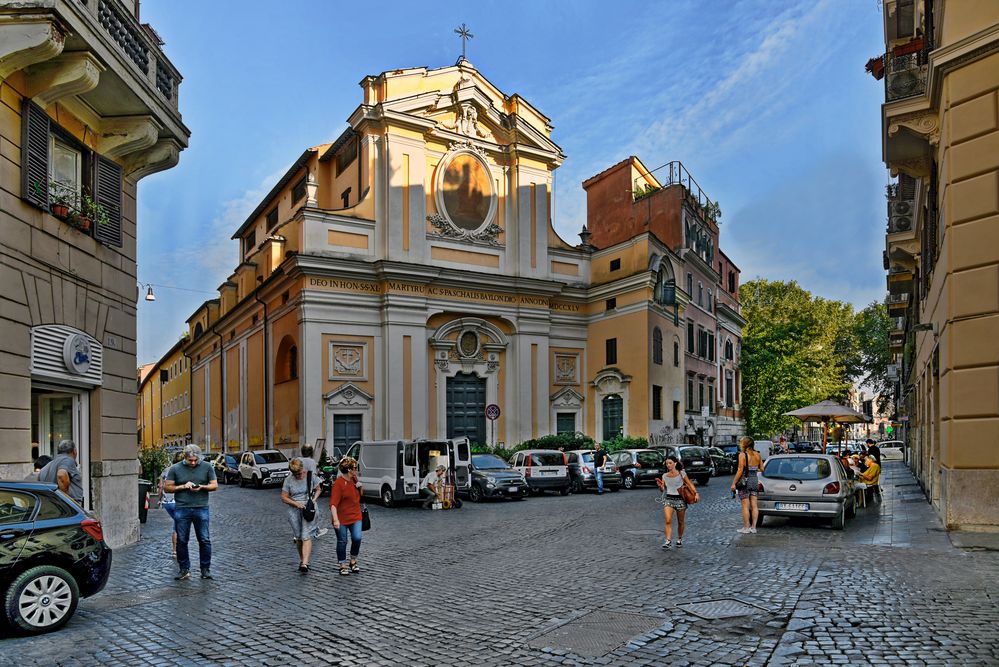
(501,583)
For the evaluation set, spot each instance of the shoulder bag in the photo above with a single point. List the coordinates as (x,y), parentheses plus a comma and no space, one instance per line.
(740,484)
(309,511)
(365,518)
(688,494)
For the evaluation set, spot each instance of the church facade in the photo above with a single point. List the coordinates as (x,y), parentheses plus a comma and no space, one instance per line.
(399,280)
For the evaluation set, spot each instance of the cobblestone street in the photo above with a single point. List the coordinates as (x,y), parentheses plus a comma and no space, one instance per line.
(551,580)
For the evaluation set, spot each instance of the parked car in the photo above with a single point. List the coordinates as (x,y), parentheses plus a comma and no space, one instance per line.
(265,466)
(227,467)
(814,485)
(544,470)
(731,451)
(892,450)
(581,471)
(53,554)
(723,463)
(492,477)
(640,466)
(696,463)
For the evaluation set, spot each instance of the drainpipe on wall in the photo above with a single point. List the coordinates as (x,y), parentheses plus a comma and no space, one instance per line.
(267,368)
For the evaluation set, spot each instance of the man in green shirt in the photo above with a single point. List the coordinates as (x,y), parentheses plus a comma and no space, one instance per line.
(190,481)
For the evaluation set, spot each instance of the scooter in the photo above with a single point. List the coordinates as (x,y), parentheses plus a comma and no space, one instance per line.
(327,475)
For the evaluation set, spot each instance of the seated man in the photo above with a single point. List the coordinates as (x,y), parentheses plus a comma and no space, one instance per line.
(872,474)
(432,487)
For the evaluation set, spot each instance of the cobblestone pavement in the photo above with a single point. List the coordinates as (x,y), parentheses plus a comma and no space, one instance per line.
(548,581)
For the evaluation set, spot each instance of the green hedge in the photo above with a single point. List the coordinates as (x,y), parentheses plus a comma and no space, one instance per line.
(568,441)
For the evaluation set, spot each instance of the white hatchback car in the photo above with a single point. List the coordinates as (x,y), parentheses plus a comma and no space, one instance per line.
(264,466)
(892,450)
(544,470)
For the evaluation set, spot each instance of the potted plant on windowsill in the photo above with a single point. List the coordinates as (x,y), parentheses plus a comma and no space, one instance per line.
(61,200)
(78,220)
(91,212)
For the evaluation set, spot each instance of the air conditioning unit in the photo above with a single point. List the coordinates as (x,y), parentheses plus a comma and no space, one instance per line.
(901,216)
(892,371)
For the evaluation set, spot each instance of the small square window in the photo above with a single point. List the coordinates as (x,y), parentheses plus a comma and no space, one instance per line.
(612,303)
(615,264)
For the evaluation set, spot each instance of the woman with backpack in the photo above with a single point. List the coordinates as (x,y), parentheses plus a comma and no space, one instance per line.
(671,483)
(296,493)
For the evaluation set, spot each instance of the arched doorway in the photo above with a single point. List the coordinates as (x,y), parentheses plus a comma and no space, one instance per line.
(613,416)
(466,407)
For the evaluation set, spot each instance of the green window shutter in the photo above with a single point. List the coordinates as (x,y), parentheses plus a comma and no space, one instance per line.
(107,193)
(34,155)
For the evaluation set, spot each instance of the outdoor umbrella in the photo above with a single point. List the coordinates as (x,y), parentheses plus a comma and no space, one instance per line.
(828,411)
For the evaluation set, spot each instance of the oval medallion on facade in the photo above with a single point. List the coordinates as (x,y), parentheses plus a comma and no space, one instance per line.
(466,192)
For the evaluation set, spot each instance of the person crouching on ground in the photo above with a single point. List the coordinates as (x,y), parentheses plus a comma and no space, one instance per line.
(168,503)
(296,493)
(432,486)
(345,507)
(670,484)
(190,481)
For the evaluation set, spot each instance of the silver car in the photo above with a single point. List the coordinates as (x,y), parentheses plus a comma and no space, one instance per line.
(813,485)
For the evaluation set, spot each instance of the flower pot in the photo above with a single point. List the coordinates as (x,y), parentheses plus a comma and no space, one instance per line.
(60,211)
(83,223)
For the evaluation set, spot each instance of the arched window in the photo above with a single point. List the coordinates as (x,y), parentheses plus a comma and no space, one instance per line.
(728,350)
(676,354)
(657,346)
(198,330)
(665,290)
(286,361)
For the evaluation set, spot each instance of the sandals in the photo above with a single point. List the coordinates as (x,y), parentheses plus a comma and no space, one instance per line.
(344,570)
(354,567)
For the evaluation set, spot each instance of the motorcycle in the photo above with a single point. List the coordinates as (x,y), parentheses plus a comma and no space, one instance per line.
(327,475)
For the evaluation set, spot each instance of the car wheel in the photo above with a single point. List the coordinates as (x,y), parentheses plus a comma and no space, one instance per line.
(703,480)
(258,482)
(839,521)
(242,482)
(41,599)
(629,482)
(577,485)
(387,498)
(475,493)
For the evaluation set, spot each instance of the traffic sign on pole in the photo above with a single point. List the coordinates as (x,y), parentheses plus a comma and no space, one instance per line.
(492,412)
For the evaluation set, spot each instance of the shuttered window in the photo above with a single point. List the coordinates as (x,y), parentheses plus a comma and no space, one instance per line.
(101,176)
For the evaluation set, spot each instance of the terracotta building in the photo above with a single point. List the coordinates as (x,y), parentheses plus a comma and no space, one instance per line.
(402,277)
(668,204)
(941,139)
(90,107)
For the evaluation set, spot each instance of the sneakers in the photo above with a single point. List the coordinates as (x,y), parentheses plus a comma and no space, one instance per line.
(667,545)
(745,531)
(752,530)
(322,531)
(679,542)
(183,576)
(206,574)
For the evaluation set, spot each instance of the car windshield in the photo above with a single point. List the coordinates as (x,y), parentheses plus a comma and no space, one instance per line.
(693,452)
(270,457)
(650,459)
(231,460)
(731,449)
(488,462)
(800,468)
(548,459)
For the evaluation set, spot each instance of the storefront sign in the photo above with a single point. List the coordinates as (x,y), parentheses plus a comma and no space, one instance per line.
(76,354)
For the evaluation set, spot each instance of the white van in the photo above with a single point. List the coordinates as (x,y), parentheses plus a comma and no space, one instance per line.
(393,469)
(764,447)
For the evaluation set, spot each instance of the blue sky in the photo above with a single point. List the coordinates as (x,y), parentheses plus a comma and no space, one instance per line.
(765,101)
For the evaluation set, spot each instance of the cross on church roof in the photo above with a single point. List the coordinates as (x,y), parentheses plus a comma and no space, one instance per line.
(463,32)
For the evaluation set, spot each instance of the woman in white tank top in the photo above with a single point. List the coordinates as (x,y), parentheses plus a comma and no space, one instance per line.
(670,484)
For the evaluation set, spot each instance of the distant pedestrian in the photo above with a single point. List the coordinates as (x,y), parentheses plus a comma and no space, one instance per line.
(874,450)
(750,463)
(169,503)
(298,488)
(599,459)
(670,483)
(190,481)
(64,472)
(39,463)
(345,506)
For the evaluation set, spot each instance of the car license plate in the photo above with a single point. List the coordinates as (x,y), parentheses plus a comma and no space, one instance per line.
(549,472)
(511,489)
(801,507)
(697,463)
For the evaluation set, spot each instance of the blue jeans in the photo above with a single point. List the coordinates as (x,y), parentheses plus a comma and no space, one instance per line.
(183,517)
(341,541)
(599,474)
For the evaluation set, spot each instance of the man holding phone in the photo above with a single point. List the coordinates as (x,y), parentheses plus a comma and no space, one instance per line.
(190,481)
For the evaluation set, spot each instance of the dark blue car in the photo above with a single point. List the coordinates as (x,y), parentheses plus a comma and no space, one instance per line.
(52,553)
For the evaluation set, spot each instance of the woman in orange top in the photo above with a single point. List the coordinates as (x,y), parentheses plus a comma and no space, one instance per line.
(345,507)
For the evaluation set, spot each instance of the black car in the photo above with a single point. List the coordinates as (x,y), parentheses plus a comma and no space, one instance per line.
(492,477)
(226,468)
(52,553)
(731,451)
(639,466)
(696,463)
(723,463)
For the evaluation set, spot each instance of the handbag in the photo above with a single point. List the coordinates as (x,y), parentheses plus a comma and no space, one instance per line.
(309,511)
(688,494)
(740,484)
(365,518)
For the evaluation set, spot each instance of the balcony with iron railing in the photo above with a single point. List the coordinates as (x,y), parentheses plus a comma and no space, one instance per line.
(898,301)
(674,173)
(906,70)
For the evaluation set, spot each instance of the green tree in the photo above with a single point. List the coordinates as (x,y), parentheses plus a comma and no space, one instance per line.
(872,327)
(796,350)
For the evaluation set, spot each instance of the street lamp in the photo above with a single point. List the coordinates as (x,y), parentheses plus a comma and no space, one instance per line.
(149,291)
